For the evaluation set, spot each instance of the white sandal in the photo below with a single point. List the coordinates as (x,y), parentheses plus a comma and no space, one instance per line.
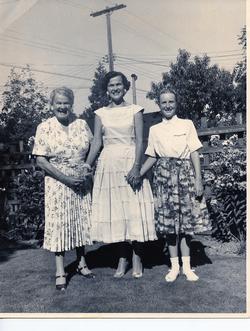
(190,275)
(172,275)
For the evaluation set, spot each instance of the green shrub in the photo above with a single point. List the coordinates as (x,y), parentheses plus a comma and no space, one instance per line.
(227,178)
(29,219)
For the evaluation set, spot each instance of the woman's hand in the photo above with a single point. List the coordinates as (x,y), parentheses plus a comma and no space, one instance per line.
(87,172)
(198,187)
(73,182)
(134,178)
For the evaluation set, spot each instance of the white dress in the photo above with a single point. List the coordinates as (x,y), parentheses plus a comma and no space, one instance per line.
(118,212)
(67,212)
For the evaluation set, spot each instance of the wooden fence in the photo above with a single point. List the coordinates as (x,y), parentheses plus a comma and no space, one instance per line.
(13,160)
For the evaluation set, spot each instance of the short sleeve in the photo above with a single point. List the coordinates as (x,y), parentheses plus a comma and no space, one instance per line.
(99,112)
(150,150)
(41,146)
(88,131)
(137,109)
(193,141)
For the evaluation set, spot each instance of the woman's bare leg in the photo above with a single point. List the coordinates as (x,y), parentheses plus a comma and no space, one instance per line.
(136,259)
(123,251)
(82,265)
(60,272)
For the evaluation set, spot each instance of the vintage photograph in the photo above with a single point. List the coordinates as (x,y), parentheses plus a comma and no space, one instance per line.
(123,171)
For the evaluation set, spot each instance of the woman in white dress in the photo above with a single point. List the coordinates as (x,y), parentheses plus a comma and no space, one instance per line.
(122,205)
(61,146)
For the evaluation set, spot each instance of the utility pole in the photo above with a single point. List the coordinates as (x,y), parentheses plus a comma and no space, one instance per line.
(134,78)
(108,11)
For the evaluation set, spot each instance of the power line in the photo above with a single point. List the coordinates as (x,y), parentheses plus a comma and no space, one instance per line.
(89,65)
(55,44)
(133,69)
(36,45)
(134,31)
(107,11)
(174,54)
(69,4)
(143,62)
(137,66)
(48,72)
(7,2)
(146,22)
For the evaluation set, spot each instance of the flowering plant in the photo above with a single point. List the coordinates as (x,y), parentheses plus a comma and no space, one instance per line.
(227,179)
(228,167)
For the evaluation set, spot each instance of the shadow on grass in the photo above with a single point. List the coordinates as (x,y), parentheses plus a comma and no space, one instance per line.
(9,247)
(154,254)
(198,254)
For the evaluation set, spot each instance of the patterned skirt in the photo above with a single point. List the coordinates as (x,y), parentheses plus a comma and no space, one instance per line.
(177,210)
(67,214)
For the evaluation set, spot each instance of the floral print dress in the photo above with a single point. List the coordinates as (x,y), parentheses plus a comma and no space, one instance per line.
(67,212)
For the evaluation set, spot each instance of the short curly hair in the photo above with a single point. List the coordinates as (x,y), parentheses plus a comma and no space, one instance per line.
(67,92)
(111,75)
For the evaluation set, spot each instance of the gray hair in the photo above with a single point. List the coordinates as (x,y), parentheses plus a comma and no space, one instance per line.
(67,92)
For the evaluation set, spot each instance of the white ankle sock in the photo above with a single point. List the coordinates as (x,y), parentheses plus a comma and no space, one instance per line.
(187,271)
(186,263)
(175,263)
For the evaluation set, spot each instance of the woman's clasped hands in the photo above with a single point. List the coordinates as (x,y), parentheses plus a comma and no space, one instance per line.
(80,182)
(134,178)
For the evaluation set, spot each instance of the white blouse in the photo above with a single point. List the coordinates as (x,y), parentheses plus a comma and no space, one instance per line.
(173,138)
(118,125)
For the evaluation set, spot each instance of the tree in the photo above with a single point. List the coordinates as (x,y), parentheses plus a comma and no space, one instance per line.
(203,90)
(24,102)
(98,98)
(240,74)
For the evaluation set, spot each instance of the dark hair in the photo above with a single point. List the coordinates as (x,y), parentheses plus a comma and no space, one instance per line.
(167,89)
(111,75)
(67,92)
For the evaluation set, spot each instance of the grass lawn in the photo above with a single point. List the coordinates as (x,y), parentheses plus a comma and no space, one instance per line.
(27,284)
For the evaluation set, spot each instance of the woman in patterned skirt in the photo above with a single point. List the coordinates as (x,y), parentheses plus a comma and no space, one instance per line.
(121,211)
(61,146)
(180,208)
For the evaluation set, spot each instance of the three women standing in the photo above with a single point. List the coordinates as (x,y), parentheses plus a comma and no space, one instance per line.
(122,206)
(123,209)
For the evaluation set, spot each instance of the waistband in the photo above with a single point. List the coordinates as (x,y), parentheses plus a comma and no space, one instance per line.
(173,161)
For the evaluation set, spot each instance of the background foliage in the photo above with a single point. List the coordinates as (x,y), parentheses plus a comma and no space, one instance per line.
(203,90)
(227,178)
(24,107)
(29,221)
(97,98)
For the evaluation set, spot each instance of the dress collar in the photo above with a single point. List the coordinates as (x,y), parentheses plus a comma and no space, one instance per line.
(172,120)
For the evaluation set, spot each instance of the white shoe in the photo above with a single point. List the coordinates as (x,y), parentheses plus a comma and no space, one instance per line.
(190,275)
(172,275)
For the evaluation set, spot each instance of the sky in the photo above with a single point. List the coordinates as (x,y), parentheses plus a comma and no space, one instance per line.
(63,44)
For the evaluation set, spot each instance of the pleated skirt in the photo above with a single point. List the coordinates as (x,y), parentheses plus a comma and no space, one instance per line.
(67,215)
(118,212)
(177,209)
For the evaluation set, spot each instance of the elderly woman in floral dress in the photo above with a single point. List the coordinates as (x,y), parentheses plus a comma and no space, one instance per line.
(61,145)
